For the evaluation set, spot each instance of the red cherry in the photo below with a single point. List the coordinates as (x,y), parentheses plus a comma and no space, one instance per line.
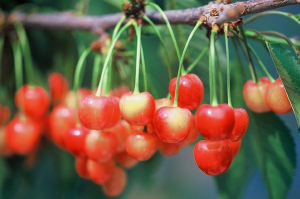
(172,124)
(214,122)
(141,146)
(33,100)
(137,108)
(58,87)
(213,157)
(168,149)
(241,123)
(70,99)
(191,91)
(99,172)
(163,102)
(98,112)
(22,135)
(235,147)
(116,183)
(100,145)
(125,160)
(74,140)
(122,130)
(192,137)
(255,94)
(277,99)
(4,114)
(80,166)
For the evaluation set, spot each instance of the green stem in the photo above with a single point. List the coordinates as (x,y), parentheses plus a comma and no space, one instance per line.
(137,29)
(228,66)
(288,15)
(162,44)
(181,62)
(109,54)
(96,71)
(26,52)
(144,69)
(212,72)
(198,59)
(118,25)
(18,64)
(220,78)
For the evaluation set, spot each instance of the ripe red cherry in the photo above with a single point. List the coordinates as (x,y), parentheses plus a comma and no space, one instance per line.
(241,123)
(116,184)
(277,99)
(213,157)
(58,87)
(214,122)
(172,124)
(99,172)
(80,166)
(125,160)
(98,112)
(100,145)
(33,100)
(168,149)
(235,147)
(255,95)
(22,135)
(192,137)
(191,91)
(137,108)
(141,146)
(122,130)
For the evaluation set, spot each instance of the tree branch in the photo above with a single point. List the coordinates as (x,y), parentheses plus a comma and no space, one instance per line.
(218,13)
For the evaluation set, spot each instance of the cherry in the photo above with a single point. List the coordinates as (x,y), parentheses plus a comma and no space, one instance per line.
(277,99)
(137,108)
(241,123)
(80,166)
(172,124)
(70,100)
(235,147)
(214,122)
(100,145)
(58,87)
(192,137)
(191,91)
(22,135)
(141,146)
(4,114)
(163,102)
(168,149)
(100,172)
(98,112)
(116,183)
(255,94)
(118,92)
(33,100)
(125,160)
(122,130)
(213,157)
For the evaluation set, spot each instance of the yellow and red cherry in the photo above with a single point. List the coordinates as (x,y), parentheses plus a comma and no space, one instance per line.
(192,137)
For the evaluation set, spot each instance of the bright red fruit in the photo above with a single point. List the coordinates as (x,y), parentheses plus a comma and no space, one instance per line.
(116,184)
(137,108)
(98,112)
(241,123)
(168,149)
(99,172)
(214,122)
(277,99)
(192,137)
(191,91)
(141,145)
(80,166)
(125,160)
(22,135)
(255,95)
(235,147)
(172,124)
(33,100)
(58,87)
(122,130)
(213,157)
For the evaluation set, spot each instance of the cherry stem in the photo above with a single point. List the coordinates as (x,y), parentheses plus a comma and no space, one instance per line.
(197,60)
(26,52)
(118,25)
(144,69)
(1,50)
(228,65)
(96,70)
(109,54)
(220,78)
(168,65)
(18,64)
(288,15)
(212,72)
(137,29)
(181,61)
(169,28)
(251,66)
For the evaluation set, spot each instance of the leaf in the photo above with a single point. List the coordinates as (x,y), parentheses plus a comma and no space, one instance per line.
(275,152)
(288,69)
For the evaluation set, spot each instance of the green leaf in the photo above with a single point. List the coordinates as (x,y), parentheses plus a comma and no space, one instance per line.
(288,69)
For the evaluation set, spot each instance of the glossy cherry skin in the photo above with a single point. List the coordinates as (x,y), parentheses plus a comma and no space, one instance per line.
(172,124)
(116,184)
(277,99)
(100,145)
(213,157)
(235,147)
(99,172)
(137,108)
(125,160)
(241,123)
(58,86)
(141,146)
(80,166)
(214,122)
(98,112)
(33,100)
(22,135)
(190,92)
(255,95)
